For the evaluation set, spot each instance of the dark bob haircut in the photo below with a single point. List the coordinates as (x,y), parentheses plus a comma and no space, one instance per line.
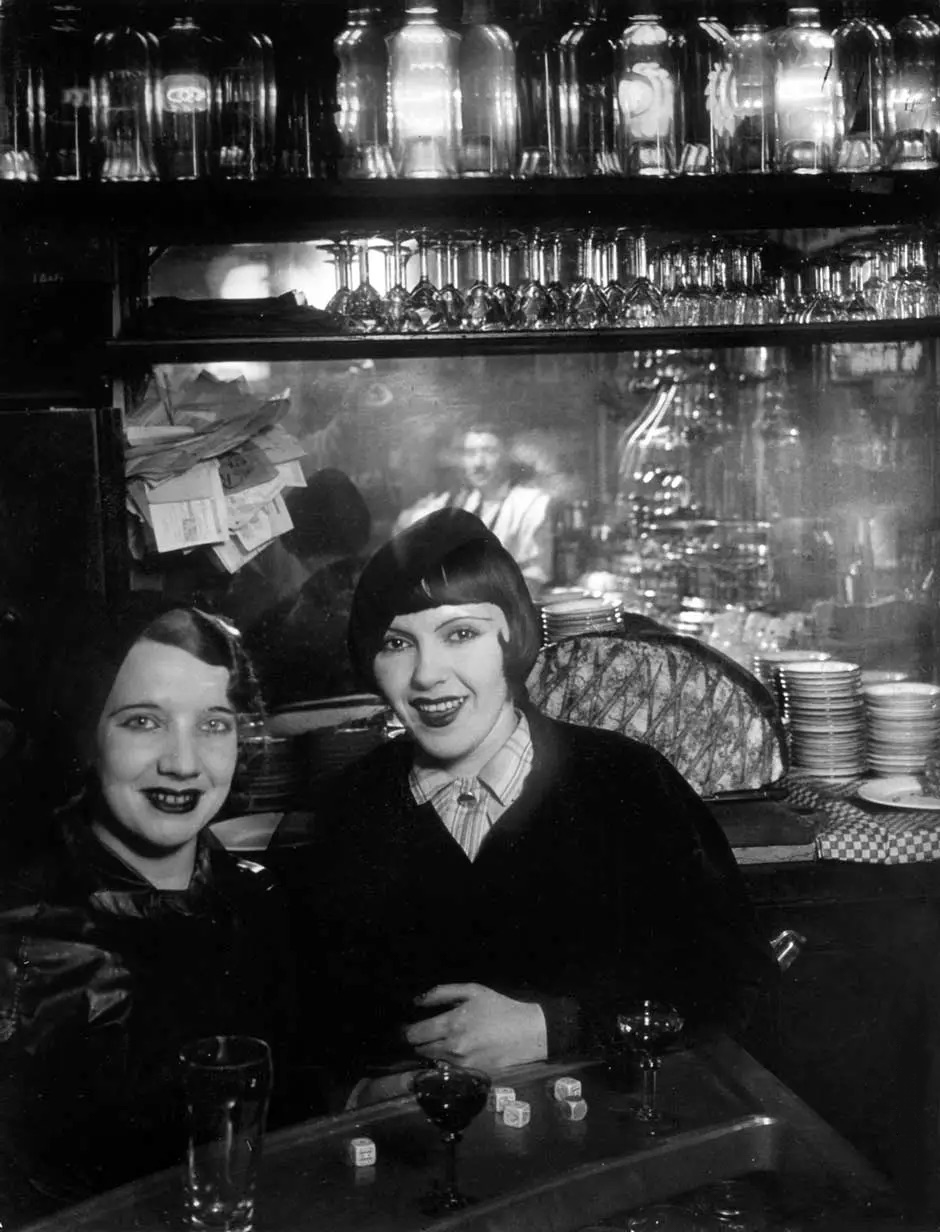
(447,557)
(86,652)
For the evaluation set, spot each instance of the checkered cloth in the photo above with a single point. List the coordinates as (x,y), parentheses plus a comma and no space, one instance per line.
(891,836)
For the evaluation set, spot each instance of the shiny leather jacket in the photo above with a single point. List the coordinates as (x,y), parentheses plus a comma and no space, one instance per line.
(102,978)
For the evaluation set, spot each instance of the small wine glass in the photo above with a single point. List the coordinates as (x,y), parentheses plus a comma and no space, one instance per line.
(364,308)
(341,256)
(646,1031)
(397,314)
(450,1098)
(425,298)
(643,303)
(532,307)
(587,304)
(483,310)
(451,300)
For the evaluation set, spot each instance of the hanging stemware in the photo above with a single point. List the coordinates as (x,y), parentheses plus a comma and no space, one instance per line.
(532,307)
(425,298)
(364,308)
(483,310)
(587,304)
(643,303)
(398,315)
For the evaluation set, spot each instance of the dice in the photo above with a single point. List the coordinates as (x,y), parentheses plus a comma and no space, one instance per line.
(499,1097)
(572,1109)
(566,1088)
(360,1152)
(517,1113)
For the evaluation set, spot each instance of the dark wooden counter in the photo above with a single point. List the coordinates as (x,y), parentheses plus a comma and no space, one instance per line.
(736,1120)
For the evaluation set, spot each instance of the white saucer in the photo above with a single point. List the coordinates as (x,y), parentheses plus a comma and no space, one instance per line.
(902,791)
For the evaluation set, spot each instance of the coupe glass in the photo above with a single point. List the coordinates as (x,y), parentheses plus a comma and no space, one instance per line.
(450,1098)
(646,1031)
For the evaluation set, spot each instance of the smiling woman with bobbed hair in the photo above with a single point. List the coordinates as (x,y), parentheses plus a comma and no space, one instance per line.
(489,888)
(125,928)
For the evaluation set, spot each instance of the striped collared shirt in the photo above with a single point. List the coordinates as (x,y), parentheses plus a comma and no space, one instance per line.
(468,807)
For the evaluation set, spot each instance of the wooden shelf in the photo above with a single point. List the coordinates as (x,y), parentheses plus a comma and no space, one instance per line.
(210,212)
(132,352)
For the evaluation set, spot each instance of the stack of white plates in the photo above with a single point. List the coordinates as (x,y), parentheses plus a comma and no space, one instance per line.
(274,773)
(903,726)
(767,666)
(588,614)
(826,713)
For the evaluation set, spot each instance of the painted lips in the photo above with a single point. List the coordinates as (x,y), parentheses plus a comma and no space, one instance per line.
(438,713)
(173,801)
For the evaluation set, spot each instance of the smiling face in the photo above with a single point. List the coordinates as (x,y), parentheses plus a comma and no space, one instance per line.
(167,746)
(442,672)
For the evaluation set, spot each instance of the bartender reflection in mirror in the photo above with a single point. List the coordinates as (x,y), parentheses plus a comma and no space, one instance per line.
(491,887)
(515,511)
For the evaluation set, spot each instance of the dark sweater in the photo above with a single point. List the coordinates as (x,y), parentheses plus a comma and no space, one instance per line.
(606,882)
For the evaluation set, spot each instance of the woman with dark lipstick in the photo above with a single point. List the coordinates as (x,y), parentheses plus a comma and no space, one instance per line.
(125,928)
(491,887)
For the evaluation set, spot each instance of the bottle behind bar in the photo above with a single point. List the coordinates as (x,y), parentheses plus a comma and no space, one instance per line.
(752,97)
(706,49)
(424,94)
(916,106)
(240,147)
(308,145)
(63,61)
(586,94)
(807,94)
(537,75)
(361,95)
(123,103)
(488,98)
(647,84)
(185,100)
(20,99)
(866,64)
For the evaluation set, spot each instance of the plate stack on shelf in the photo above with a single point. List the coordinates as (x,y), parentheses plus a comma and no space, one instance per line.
(826,715)
(587,614)
(903,726)
(767,666)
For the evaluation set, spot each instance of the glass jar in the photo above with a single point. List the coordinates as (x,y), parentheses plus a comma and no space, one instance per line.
(537,71)
(21,132)
(751,93)
(185,98)
(361,89)
(424,95)
(586,94)
(124,103)
(865,54)
(807,95)
(488,97)
(914,102)
(706,54)
(647,92)
(65,71)
(241,150)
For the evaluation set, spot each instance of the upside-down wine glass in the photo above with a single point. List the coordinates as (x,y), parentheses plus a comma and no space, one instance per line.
(587,304)
(643,304)
(555,286)
(501,254)
(450,1098)
(451,301)
(647,1030)
(364,309)
(532,307)
(341,257)
(397,313)
(483,310)
(425,298)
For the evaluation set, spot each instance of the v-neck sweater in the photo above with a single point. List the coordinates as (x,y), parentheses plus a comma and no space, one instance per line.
(607,881)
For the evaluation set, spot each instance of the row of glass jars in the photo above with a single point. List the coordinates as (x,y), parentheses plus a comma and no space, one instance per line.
(415,97)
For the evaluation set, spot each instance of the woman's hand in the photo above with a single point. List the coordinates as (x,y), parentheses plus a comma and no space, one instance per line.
(480,1029)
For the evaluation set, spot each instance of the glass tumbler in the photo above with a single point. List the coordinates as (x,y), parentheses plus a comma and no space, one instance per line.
(227,1084)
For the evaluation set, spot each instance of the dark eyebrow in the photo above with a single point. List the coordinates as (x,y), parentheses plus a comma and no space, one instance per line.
(451,620)
(157,706)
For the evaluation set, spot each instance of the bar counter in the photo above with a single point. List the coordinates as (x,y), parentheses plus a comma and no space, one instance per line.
(735,1120)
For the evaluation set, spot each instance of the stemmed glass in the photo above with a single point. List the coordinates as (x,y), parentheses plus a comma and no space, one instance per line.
(532,308)
(502,287)
(643,303)
(450,1098)
(587,304)
(364,306)
(555,287)
(399,316)
(647,1031)
(614,289)
(451,301)
(341,256)
(425,298)
(483,309)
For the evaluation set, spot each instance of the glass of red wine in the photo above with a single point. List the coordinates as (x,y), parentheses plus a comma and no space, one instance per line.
(647,1030)
(450,1098)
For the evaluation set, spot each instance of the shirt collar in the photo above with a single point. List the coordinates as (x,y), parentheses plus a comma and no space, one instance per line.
(502,775)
